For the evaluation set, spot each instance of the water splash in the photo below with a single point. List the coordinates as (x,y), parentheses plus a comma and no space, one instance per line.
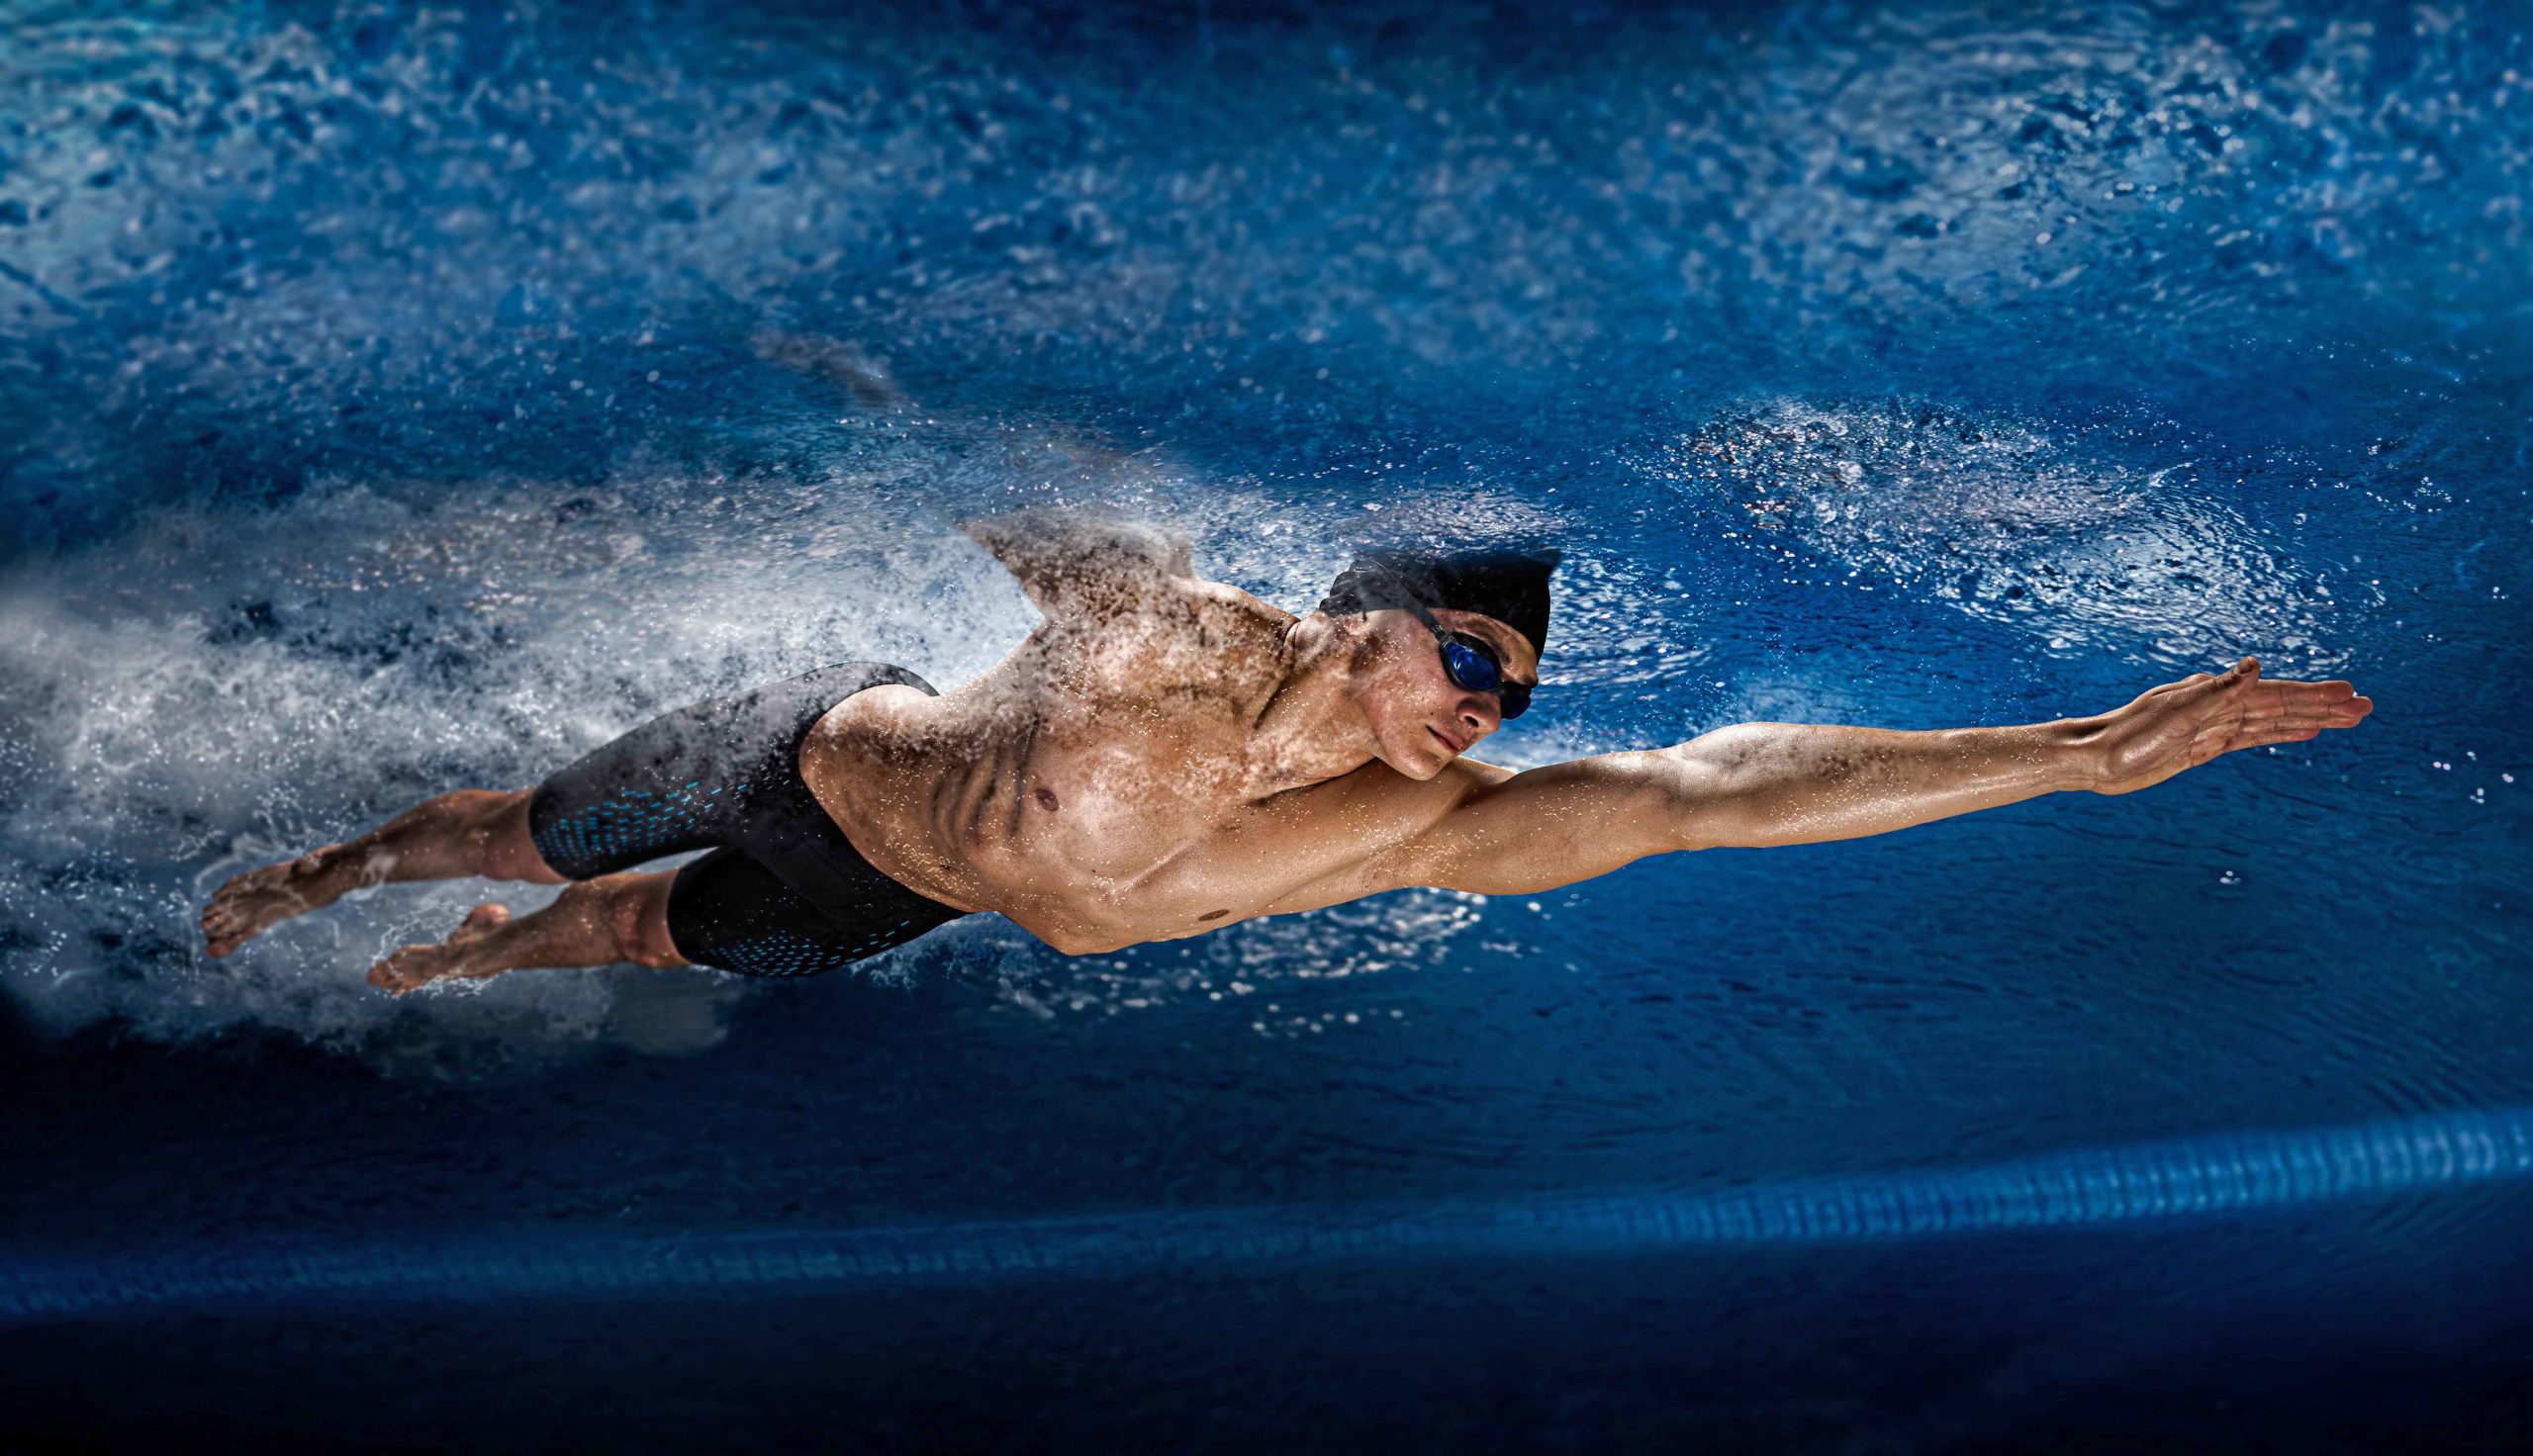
(2193,1177)
(1244,966)
(1999,520)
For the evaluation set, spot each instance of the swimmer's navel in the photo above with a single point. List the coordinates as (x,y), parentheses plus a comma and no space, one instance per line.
(1211,915)
(1047,800)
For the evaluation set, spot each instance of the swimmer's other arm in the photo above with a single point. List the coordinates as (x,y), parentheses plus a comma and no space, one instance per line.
(1758,785)
(1079,563)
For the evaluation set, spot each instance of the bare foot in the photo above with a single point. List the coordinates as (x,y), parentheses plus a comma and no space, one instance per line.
(254,902)
(418,965)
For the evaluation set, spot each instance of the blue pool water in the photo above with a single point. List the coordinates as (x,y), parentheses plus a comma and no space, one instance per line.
(395,399)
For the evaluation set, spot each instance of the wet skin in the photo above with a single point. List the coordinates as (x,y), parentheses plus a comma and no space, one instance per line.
(1165,755)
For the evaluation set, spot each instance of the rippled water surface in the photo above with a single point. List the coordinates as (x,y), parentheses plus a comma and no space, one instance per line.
(396,399)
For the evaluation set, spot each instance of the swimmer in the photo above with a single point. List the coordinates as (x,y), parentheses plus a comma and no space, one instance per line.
(1164,756)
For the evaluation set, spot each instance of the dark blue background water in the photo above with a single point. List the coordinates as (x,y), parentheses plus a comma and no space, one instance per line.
(401,400)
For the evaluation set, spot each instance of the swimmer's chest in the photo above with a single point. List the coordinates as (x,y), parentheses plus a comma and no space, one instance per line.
(1162,840)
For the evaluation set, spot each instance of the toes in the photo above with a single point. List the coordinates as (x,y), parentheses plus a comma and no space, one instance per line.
(224,927)
(392,975)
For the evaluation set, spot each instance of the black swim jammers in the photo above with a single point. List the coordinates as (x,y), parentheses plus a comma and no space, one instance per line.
(784,892)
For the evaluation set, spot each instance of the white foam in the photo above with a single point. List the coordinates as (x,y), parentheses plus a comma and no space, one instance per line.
(2000,520)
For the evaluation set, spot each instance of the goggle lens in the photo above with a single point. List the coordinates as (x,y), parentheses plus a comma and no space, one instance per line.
(1476,669)
(1471,667)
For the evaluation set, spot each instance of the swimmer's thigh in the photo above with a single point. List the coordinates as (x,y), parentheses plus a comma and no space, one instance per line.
(729,911)
(691,779)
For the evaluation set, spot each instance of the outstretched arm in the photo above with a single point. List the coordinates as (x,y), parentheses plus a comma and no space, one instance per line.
(1082,562)
(1757,784)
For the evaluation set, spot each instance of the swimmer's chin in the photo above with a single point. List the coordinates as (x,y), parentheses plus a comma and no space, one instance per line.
(1430,757)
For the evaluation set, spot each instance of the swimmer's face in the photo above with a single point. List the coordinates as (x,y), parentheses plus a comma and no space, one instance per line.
(1421,718)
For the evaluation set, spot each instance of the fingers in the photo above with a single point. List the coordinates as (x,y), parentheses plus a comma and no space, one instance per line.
(2241,673)
(2264,703)
(2240,709)
(2288,730)
(2265,697)
(2315,691)
(2331,700)
(2305,724)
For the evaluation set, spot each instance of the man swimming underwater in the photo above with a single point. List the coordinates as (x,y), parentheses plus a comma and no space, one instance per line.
(1167,755)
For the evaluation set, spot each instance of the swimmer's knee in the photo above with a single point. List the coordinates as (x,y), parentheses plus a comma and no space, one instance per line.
(637,911)
(505,845)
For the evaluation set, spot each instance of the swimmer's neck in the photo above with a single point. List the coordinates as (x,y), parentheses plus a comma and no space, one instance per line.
(1310,728)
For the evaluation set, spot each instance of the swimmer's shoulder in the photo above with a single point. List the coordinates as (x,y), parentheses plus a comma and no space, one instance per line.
(886,719)
(1229,607)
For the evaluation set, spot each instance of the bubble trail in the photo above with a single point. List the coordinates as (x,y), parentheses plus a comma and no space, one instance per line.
(2149,1181)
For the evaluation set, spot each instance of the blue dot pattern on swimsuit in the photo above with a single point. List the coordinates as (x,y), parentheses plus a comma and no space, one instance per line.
(785,953)
(629,822)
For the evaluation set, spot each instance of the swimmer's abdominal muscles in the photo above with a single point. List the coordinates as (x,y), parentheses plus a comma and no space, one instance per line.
(1755,785)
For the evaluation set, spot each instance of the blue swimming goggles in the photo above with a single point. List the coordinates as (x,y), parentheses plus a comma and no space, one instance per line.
(1472,665)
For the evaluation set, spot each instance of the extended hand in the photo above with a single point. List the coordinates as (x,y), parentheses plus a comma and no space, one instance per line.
(2182,725)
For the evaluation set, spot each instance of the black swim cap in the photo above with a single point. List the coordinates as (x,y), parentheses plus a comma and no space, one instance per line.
(1508,586)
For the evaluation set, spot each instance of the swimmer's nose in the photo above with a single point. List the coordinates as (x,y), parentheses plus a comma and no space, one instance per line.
(1480,715)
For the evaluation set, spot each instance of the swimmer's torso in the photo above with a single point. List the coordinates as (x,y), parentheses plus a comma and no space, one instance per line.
(1099,786)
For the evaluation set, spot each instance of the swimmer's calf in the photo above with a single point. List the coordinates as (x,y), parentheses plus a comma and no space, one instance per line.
(596,922)
(471,832)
